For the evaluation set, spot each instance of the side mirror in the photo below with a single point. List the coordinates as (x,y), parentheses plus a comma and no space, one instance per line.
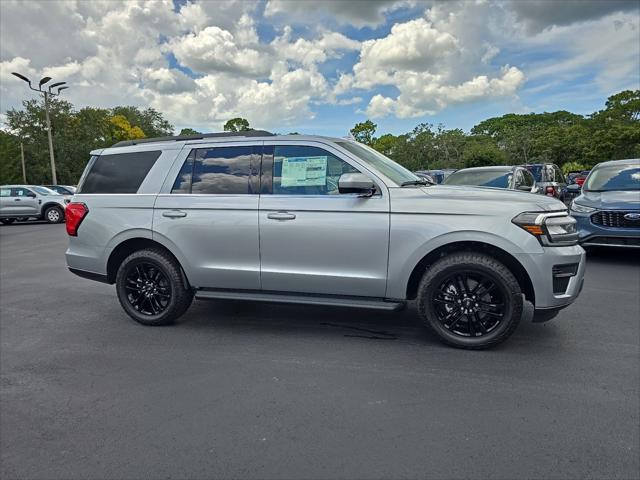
(356,183)
(574,188)
(31,195)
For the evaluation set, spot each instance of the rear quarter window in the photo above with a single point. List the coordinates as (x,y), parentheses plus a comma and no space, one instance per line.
(119,173)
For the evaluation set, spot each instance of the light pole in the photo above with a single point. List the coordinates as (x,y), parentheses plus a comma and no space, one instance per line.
(46,94)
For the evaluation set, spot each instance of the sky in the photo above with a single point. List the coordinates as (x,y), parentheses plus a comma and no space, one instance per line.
(320,66)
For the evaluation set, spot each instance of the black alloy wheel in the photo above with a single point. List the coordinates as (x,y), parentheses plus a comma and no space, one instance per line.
(470,300)
(148,290)
(469,304)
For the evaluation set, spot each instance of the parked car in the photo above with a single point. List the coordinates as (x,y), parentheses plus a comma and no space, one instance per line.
(608,210)
(427,177)
(66,190)
(26,201)
(438,176)
(549,179)
(510,178)
(317,221)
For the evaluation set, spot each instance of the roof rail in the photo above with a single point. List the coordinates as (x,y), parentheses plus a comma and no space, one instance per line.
(200,136)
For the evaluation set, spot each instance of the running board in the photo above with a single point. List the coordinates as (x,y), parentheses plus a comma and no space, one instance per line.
(351,302)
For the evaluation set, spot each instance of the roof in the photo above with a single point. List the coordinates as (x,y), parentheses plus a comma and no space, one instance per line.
(201,136)
(620,162)
(493,168)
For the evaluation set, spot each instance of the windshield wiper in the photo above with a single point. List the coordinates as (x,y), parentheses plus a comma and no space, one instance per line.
(416,182)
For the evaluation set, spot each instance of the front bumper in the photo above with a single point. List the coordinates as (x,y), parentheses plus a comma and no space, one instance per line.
(543,269)
(597,235)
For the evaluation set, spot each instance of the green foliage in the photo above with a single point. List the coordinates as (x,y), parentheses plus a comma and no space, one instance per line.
(75,133)
(189,131)
(573,167)
(558,137)
(363,132)
(237,124)
(10,168)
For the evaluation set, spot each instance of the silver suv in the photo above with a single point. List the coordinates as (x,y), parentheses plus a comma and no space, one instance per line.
(26,201)
(317,221)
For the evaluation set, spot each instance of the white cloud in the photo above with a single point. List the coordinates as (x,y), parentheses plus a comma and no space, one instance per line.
(354,12)
(215,50)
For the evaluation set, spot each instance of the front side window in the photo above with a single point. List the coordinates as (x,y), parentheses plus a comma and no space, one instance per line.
(20,192)
(379,162)
(306,170)
(119,173)
(217,171)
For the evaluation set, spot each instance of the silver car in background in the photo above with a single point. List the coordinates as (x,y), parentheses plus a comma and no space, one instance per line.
(30,201)
(318,221)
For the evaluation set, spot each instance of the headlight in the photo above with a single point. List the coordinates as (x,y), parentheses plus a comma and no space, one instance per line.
(576,207)
(550,228)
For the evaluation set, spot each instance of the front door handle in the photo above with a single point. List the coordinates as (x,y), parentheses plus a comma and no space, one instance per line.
(281,216)
(174,214)
(16,200)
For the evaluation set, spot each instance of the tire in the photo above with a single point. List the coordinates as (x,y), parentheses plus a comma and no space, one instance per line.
(7,221)
(151,287)
(54,215)
(481,311)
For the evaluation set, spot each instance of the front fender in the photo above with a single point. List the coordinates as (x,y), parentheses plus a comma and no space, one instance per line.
(401,264)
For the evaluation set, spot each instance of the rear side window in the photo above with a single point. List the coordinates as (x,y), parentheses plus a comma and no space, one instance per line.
(217,171)
(119,173)
(5,192)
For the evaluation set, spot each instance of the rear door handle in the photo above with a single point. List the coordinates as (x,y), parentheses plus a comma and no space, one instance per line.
(281,216)
(174,214)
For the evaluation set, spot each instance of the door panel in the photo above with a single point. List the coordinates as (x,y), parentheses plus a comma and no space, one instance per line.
(20,204)
(218,237)
(211,218)
(321,243)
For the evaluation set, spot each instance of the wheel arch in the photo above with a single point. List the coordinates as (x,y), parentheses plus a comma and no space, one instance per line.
(498,253)
(47,205)
(127,247)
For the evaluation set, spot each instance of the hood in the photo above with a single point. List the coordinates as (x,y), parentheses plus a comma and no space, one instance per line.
(613,200)
(496,197)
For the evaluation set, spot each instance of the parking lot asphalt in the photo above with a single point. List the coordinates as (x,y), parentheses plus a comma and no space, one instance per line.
(239,390)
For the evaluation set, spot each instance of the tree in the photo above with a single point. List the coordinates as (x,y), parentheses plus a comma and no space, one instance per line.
(122,129)
(363,132)
(481,151)
(189,131)
(150,121)
(237,124)
(10,166)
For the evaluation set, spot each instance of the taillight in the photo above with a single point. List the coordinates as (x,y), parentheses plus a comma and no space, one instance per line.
(550,191)
(74,214)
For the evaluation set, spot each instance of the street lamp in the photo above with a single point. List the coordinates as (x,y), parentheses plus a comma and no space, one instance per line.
(46,94)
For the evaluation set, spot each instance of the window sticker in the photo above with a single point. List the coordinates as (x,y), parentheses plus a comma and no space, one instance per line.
(304,171)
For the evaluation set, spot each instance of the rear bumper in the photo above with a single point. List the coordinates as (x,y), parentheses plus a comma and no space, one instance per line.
(98,277)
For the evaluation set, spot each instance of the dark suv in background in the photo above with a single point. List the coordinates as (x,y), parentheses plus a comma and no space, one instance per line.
(549,179)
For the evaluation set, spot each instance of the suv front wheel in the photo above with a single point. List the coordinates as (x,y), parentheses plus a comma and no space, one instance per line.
(470,300)
(151,288)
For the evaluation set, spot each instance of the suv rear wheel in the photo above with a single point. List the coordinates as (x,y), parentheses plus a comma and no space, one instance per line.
(54,215)
(151,288)
(470,300)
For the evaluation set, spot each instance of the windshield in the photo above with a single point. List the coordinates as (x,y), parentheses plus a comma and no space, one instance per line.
(481,178)
(44,191)
(624,176)
(379,162)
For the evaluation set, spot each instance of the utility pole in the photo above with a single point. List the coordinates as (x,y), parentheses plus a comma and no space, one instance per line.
(51,156)
(47,93)
(24,168)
